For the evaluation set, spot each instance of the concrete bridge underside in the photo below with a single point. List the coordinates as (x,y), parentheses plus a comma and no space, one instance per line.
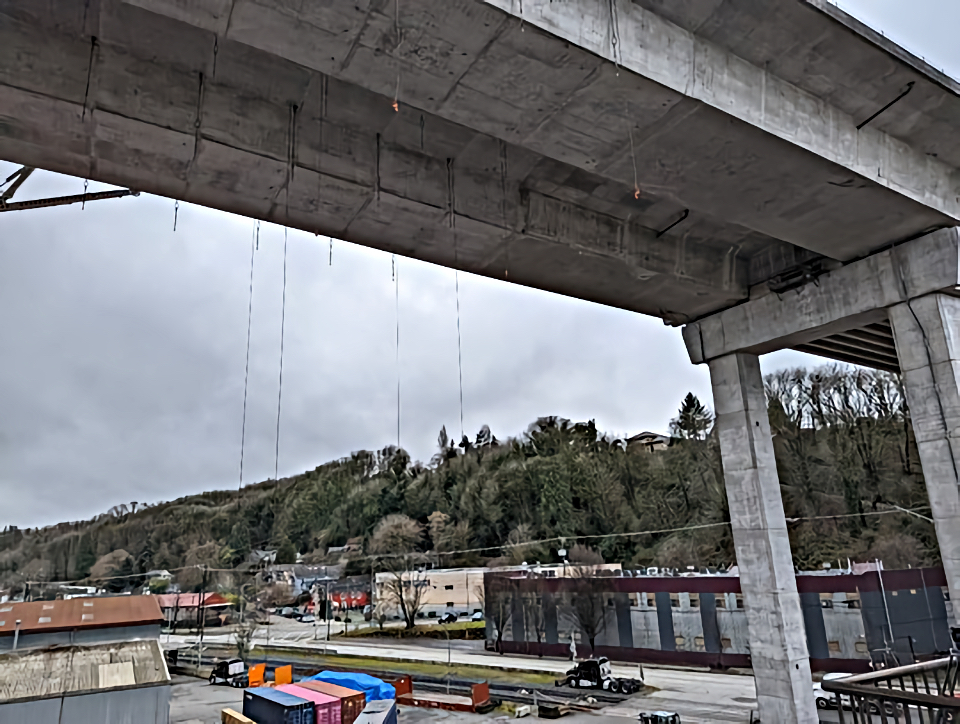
(739,166)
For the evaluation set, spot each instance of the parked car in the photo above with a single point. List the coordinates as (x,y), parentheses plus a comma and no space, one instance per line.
(477,616)
(307,618)
(449,617)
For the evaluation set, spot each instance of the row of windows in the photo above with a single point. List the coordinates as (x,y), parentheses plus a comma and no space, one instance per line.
(650,599)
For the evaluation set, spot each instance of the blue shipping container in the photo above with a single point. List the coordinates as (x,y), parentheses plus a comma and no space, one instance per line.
(381,711)
(269,706)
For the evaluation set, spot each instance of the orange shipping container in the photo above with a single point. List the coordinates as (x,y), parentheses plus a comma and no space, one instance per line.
(351,702)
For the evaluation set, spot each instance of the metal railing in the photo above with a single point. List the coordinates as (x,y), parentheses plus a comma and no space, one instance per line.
(925,693)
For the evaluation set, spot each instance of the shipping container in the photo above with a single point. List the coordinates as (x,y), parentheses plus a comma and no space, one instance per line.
(351,700)
(326,708)
(229,716)
(269,706)
(381,711)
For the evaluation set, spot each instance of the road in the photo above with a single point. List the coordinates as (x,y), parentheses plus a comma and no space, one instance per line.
(698,696)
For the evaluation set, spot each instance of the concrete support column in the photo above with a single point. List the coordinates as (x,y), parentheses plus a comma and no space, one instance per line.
(778,644)
(927,334)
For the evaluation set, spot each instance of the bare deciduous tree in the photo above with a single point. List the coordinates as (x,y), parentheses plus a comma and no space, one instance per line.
(396,542)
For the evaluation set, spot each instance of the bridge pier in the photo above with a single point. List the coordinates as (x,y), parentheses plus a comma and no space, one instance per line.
(893,310)
(778,644)
(927,335)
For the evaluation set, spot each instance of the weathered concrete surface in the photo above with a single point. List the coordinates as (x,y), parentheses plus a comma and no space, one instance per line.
(927,334)
(778,645)
(518,142)
(843,299)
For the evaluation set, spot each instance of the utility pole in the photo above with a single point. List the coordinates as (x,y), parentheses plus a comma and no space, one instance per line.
(202,612)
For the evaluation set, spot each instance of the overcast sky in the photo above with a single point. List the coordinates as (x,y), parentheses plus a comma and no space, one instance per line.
(122,344)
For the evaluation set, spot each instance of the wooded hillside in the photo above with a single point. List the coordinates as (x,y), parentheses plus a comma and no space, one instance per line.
(843,445)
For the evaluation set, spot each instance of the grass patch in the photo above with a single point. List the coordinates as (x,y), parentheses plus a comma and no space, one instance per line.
(471,630)
(375,666)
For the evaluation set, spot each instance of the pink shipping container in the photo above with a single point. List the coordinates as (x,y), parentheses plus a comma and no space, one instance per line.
(326,707)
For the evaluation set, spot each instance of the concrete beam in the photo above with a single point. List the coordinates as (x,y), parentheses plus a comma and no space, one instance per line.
(678,59)
(261,137)
(840,300)
(711,132)
(927,334)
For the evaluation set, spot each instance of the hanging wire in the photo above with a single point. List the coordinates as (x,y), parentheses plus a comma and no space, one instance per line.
(452,203)
(176,211)
(331,250)
(633,152)
(83,204)
(615,35)
(258,235)
(246,372)
(456,277)
(396,288)
(283,319)
(396,50)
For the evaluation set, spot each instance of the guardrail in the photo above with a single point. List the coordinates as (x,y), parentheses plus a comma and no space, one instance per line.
(925,693)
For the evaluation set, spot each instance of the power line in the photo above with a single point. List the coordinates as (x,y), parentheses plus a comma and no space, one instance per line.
(523,544)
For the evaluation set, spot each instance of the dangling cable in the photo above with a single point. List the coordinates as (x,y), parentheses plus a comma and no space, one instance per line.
(456,277)
(246,372)
(83,204)
(176,211)
(396,287)
(633,152)
(331,250)
(396,50)
(283,319)
(615,35)
(452,203)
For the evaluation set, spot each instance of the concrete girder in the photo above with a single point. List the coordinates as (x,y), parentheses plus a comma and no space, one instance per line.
(714,133)
(359,170)
(840,300)
(678,59)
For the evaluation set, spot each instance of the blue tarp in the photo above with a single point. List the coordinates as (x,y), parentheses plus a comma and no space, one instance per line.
(373,688)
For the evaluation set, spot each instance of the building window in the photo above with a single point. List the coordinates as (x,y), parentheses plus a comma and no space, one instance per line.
(834,647)
(853,600)
(698,641)
(861,647)
(651,600)
(44,619)
(721,600)
(826,600)
(725,644)
(633,599)
(675,600)
(609,601)
(739,600)
(694,600)
(449,604)
(679,641)
(448,588)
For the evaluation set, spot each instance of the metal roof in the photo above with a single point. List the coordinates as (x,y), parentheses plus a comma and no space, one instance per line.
(190,600)
(79,613)
(46,673)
